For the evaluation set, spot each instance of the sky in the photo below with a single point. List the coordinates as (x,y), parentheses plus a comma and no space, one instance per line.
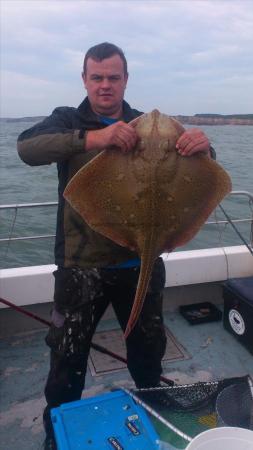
(184,56)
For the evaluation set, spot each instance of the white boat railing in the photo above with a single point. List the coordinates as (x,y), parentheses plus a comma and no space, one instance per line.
(16,207)
(29,285)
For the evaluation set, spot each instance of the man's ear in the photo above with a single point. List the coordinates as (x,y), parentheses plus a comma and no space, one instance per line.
(126,79)
(84,79)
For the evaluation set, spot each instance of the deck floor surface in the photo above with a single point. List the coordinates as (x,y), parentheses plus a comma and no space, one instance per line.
(212,354)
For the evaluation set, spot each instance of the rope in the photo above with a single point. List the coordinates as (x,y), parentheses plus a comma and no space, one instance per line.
(236,230)
(10,234)
(24,311)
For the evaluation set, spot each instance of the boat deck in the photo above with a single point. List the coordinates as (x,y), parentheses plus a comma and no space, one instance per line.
(203,352)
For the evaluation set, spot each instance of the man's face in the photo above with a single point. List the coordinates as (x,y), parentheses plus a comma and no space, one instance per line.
(105,82)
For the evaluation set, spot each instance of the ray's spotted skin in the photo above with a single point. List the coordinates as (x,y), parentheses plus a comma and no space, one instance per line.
(152,199)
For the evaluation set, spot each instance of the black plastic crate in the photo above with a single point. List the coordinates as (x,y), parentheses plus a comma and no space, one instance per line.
(200,313)
(238,309)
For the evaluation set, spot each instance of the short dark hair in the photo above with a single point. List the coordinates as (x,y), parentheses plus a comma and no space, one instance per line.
(103,51)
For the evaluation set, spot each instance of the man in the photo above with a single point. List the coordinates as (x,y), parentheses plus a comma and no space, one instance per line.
(92,270)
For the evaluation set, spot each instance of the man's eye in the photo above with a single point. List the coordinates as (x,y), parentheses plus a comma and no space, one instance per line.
(97,78)
(114,78)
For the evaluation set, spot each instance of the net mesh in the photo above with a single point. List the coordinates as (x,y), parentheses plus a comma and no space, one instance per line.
(181,412)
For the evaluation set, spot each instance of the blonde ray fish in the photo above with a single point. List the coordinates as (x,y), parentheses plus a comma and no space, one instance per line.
(158,199)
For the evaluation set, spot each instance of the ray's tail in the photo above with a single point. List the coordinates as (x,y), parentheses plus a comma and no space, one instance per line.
(147,262)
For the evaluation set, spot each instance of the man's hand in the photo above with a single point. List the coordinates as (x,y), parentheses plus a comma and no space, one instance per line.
(193,141)
(120,135)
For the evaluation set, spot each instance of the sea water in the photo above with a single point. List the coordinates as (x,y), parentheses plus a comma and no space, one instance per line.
(20,183)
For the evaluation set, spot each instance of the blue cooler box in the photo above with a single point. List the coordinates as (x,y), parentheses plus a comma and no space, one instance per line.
(112,421)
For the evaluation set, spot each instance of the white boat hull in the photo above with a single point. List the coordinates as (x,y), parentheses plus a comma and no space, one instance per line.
(35,284)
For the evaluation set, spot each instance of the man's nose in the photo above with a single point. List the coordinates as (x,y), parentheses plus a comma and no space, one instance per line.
(105,83)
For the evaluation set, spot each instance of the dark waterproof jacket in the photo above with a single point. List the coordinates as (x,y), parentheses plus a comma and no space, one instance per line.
(60,138)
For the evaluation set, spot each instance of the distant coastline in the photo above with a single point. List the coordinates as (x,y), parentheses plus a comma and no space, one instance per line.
(21,119)
(197,119)
(216,119)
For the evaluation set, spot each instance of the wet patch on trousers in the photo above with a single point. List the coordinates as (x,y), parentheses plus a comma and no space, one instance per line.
(157,281)
(153,328)
(151,320)
(76,292)
(75,287)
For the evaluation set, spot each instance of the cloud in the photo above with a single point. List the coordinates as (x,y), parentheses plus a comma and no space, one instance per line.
(172,47)
(226,51)
(26,95)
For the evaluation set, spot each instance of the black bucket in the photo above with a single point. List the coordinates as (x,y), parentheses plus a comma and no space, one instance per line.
(234,406)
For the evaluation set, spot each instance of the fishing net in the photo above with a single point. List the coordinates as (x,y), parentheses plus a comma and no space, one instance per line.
(181,412)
